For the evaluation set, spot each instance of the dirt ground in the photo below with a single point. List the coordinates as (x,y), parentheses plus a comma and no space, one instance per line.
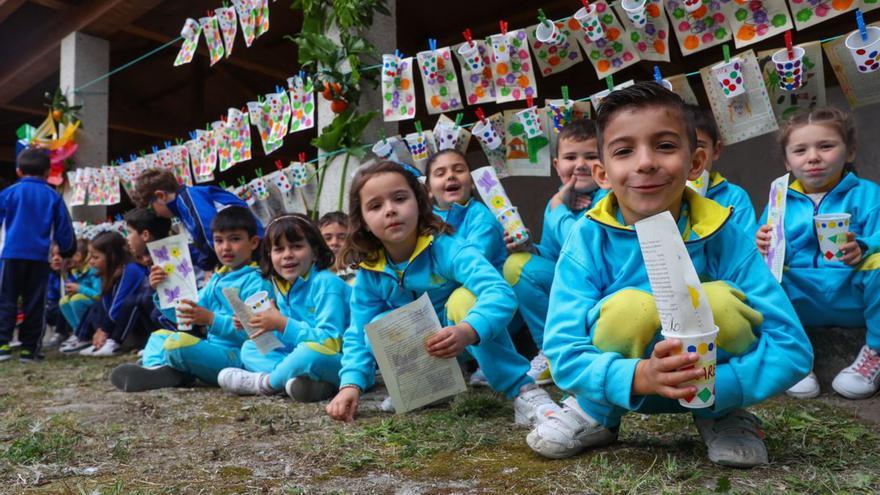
(65,429)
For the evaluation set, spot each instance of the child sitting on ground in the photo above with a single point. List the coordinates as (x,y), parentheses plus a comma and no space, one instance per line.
(60,328)
(602,336)
(334,230)
(82,288)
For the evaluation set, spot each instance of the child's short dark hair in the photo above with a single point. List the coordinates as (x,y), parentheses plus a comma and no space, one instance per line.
(141,219)
(152,180)
(578,130)
(33,162)
(235,218)
(703,121)
(294,227)
(334,217)
(641,95)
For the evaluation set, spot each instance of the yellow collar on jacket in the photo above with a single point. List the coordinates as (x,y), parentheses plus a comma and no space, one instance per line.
(378,265)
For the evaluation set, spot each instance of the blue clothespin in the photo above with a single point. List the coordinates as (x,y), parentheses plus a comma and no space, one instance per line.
(657,75)
(155,149)
(302,75)
(167,144)
(398,53)
(118,217)
(279,89)
(132,157)
(432,44)
(192,134)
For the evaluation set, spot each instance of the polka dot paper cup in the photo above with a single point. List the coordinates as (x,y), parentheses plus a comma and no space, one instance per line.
(513,224)
(546,32)
(705,346)
(730,76)
(447,136)
(486,133)
(790,70)
(500,47)
(390,65)
(832,229)
(531,122)
(258,302)
(473,61)
(384,150)
(635,10)
(589,19)
(866,54)
(183,326)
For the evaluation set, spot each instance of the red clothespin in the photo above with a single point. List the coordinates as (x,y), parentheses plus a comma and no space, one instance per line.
(468,36)
(210,13)
(480,114)
(530,101)
(586,4)
(789,46)
(503,26)
(302,157)
(279,164)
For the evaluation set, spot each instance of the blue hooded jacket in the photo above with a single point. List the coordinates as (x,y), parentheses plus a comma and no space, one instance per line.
(131,281)
(474,223)
(726,193)
(34,216)
(316,306)
(558,223)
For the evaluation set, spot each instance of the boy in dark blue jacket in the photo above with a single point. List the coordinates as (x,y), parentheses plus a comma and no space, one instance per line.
(195,206)
(33,216)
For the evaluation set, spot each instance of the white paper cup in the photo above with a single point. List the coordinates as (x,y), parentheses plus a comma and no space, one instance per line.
(258,302)
(666,84)
(473,61)
(486,133)
(701,184)
(590,23)
(692,6)
(447,137)
(429,65)
(831,230)
(790,71)
(730,77)
(705,345)
(190,28)
(635,10)
(547,33)
(390,65)
(513,224)
(384,150)
(418,146)
(181,325)
(531,122)
(500,47)
(866,54)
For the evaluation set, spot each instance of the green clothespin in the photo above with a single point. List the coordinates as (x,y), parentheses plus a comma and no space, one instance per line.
(241,181)
(178,141)
(142,153)
(541,17)
(260,173)
(565,94)
(726,50)
(223,184)
(458,119)
(382,136)
(610,82)
(419,126)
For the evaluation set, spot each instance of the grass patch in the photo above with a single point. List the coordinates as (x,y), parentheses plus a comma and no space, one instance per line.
(52,441)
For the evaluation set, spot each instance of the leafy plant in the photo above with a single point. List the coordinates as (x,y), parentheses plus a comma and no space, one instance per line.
(60,109)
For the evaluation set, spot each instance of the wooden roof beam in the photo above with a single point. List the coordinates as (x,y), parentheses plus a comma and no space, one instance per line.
(121,127)
(8,7)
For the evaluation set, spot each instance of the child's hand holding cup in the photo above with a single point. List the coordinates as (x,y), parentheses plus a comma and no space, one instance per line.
(182,310)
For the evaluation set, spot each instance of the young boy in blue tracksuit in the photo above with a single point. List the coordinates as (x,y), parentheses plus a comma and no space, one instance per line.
(175,358)
(529,269)
(195,207)
(720,189)
(33,216)
(602,336)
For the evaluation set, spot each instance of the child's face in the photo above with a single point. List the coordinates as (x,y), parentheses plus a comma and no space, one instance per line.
(576,158)
(713,150)
(450,181)
(137,243)
(816,154)
(55,259)
(160,204)
(646,161)
(234,248)
(334,235)
(292,260)
(98,261)
(389,208)
(77,259)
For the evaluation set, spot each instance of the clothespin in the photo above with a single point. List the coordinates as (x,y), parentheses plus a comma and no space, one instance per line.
(860,22)
(419,127)
(259,173)
(530,102)
(192,134)
(432,44)
(223,184)
(726,50)
(210,13)
(241,181)
(382,134)
(302,75)
(279,89)
(480,114)
(586,4)
(398,53)
(178,141)
(565,94)
(225,4)
(609,81)
(789,46)
(118,217)
(468,36)
(458,119)
(155,149)
(503,26)
(260,99)
(302,157)
(279,164)
(142,153)
(657,75)
(132,157)
(541,17)
(167,144)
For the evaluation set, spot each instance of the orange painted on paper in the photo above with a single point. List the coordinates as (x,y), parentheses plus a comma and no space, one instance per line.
(700,12)
(746,32)
(479,91)
(574,24)
(523,81)
(841,5)
(435,101)
(404,84)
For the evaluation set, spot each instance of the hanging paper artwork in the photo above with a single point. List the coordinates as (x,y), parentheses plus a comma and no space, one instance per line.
(398,94)
(512,66)
(526,155)
(747,115)
(208,152)
(449,135)
(810,95)
(221,145)
(612,53)
(261,16)
(682,88)
(553,58)
(869,5)
(277,107)
(439,80)
(560,113)
(180,164)
(245,12)
(111,185)
(476,69)
(80,186)
(704,28)
(165,160)
(211,28)
(752,21)
(302,103)
(228,26)
(238,136)
(260,119)
(860,89)
(305,179)
(128,174)
(190,33)
(95,185)
(172,255)
(491,136)
(652,40)
(421,146)
(811,12)
(260,193)
(194,147)
(292,199)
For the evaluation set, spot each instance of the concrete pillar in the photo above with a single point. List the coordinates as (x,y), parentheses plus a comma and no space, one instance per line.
(383,35)
(83,59)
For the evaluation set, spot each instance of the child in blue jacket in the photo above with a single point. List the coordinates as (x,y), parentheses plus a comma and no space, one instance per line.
(82,287)
(831,289)
(195,207)
(32,216)
(529,269)
(602,336)
(53,294)
(404,251)
(175,358)
(310,317)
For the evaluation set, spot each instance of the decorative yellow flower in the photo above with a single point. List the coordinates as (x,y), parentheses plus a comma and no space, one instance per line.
(498,202)
(175,252)
(169,268)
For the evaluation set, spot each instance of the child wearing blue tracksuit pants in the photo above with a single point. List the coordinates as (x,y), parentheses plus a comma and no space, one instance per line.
(404,251)
(53,294)
(175,358)
(32,217)
(309,315)
(195,206)
(603,338)
(839,286)
(82,286)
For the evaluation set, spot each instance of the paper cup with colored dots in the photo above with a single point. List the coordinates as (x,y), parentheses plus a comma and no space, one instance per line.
(635,10)
(530,121)
(704,344)
(831,230)
(384,150)
(866,54)
(790,70)
(390,64)
(486,133)
(417,143)
(182,325)
(589,20)
(700,184)
(258,302)
(730,76)
(447,136)
(546,32)
(513,224)
(470,52)
(692,6)
(500,47)
(428,61)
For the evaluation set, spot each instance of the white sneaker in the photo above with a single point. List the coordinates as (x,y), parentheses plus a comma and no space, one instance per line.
(88,351)
(862,378)
(52,342)
(242,382)
(75,345)
(387,406)
(736,440)
(806,388)
(539,369)
(478,379)
(14,343)
(73,339)
(141,353)
(110,348)
(533,406)
(568,431)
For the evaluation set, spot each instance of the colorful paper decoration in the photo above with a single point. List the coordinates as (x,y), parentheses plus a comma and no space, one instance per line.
(277,107)
(651,41)
(221,145)
(302,103)
(860,89)
(238,136)
(591,21)
(128,174)
(200,173)
(865,50)
(811,12)
(304,179)
(258,187)
(111,185)
(634,11)
(746,116)
(211,29)
(556,57)
(261,16)
(228,26)
(489,187)
(449,135)
(491,136)
(531,122)
(439,80)
(421,146)
(190,32)
(80,186)
(180,164)
(729,77)
(244,9)
(514,74)
(479,83)
(208,151)
(789,68)
(810,95)
(614,51)
(172,255)
(752,21)
(262,121)
(525,155)
(398,94)
(704,28)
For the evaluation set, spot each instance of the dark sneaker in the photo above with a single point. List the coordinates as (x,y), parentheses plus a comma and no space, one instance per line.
(304,389)
(736,440)
(29,356)
(133,378)
(5,352)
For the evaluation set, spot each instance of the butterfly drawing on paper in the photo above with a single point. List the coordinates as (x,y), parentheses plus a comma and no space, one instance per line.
(172,294)
(486,182)
(184,268)
(162,254)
